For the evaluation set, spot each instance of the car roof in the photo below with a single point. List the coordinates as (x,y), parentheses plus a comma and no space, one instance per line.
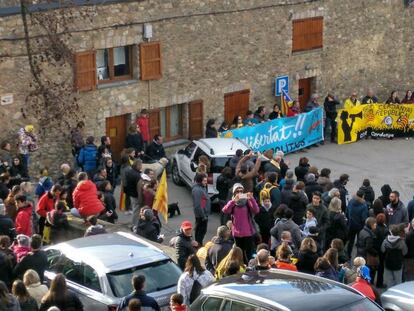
(221,146)
(405,290)
(286,290)
(111,252)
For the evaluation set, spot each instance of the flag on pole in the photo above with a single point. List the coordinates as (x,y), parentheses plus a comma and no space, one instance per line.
(284,99)
(161,197)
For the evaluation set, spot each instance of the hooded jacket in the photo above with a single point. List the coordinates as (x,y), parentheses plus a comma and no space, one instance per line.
(46,204)
(357,213)
(366,242)
(183,248)
(87,157)
(369,194)
(242,217)
(287,225)
(397,215)
(394,243)
(385,194)
(201,202)
(297,204)
(217,252)
(23,220)
(85,199)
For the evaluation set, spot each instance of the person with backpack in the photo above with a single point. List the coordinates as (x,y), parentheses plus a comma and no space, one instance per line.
(395,249)
(193,280)
(270,189)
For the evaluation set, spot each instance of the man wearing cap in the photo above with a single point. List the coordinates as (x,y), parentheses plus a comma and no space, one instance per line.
(243,207)
(184,245)
(221,247)
(357,213)
(362,283)
(27,143)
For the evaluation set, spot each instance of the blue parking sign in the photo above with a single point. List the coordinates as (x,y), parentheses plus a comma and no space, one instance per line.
(281,83)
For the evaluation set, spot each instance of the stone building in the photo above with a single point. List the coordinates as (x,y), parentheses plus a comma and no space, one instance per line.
(191,60)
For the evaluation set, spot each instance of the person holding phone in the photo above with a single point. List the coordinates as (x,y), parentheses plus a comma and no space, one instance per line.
(242,208)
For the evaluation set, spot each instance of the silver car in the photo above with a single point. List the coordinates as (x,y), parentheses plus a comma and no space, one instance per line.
(100,268)
(399,297)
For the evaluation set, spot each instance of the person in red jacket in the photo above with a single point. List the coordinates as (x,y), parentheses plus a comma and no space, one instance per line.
(294,109)
(46,204)
(362,283)
(143,122)
(85,198)
(23,220)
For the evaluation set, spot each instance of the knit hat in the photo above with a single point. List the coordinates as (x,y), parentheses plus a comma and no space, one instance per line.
(237,185)
(310,177)
(363,272)
(29,128)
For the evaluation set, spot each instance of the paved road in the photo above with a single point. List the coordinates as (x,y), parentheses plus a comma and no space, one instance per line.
(382,161)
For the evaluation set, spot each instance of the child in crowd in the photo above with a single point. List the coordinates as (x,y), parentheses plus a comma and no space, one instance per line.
(57,222)
(21,247)
(283,255)
(309,222)
(177,302)
(94,227)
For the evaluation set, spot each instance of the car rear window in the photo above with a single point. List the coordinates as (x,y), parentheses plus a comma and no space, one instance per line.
(158,276)
(217,164)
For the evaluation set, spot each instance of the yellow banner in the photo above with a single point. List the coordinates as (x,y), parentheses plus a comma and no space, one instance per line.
(375,120)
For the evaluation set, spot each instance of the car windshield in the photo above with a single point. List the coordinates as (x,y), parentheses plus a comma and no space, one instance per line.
(217,164)
(158,276)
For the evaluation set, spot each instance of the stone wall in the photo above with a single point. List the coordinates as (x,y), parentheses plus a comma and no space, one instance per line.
(211,47)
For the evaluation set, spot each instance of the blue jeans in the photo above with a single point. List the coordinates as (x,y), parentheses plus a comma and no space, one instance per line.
(25,161)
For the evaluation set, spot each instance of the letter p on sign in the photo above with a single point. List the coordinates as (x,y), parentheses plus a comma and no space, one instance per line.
(281,83)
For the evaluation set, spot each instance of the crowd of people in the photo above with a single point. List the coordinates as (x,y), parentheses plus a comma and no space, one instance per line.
(330,105)
(298,219)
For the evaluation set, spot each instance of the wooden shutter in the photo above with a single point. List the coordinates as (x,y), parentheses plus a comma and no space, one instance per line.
(236,103)
(195,119)
(154,122)
(150,59)
(85,71)
(307,34)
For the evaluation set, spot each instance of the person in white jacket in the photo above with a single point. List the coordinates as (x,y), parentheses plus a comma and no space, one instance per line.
(193,272)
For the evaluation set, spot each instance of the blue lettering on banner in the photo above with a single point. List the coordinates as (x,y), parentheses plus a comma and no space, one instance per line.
(286,134)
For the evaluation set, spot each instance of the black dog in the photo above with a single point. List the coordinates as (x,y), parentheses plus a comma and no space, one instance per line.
(172,208)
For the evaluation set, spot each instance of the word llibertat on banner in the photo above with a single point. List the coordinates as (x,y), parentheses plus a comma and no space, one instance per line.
(285,134)
(375,120)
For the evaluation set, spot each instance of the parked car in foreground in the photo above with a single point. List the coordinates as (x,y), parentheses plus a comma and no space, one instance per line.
(399,297)
(218,150)
(280,290)
(99,269)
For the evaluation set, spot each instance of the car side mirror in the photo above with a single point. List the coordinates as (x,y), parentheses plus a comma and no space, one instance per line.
(193,166)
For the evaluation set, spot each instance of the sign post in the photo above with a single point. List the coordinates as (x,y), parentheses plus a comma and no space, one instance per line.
(281,83)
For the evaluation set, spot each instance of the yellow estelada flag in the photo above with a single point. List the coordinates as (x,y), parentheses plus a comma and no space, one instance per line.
(161,197)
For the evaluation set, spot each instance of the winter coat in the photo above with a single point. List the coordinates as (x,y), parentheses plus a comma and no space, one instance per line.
(321,215)
(12,304)
(44,185)
(36,260)
(297,204)
(7,227)
(211,132)
(6,269)
(306,261)
(85,199)
(330,108)
(201,202)
(287,225)
(308,224)
(144,128)
(46,204)
(364,287)
(87,157)
(217,252)
(132,177)
(394,244)
(148,229)
(27,141)
(247,180)
(409,241)
(366,242)
(148,303)
(286,193)
(223,186)
(20,251)
(396,215)
(410,210)
(242,217)
(311,187)
(4,191)
(301,171)
(186,281)
(357,213)
(369,194)
(155,151)
(23,220)
(381,233)
(135,141)
(29,304)
(338,228)
(71,303)
(329,273)
(37,291)
(343,193)
(58,223)
(385,194)
(183,248)
(323,182)
(265,219)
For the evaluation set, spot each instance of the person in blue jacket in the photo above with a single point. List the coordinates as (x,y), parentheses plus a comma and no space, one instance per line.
(357,213)
(87,157)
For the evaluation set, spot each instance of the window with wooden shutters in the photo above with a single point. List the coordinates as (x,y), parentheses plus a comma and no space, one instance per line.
(195,119)
(307,34)
(85,71)
(114,64)
(236,104)
(167,121)
(150,59)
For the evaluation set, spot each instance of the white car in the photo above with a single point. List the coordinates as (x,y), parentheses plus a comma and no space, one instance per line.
(218,150)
